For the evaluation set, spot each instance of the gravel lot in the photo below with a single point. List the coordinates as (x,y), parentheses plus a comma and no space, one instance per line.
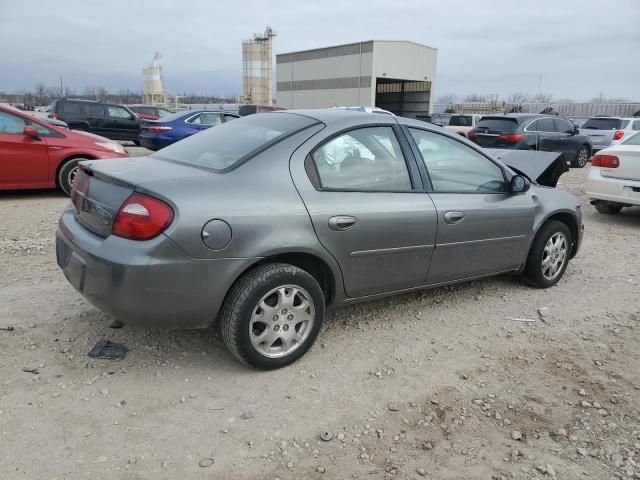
(438,384)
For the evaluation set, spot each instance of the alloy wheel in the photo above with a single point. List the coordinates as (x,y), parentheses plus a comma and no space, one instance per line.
(281,321)
(554,255)
(583,156)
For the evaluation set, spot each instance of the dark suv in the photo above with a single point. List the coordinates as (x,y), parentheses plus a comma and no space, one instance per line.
(525,131)
(116,122)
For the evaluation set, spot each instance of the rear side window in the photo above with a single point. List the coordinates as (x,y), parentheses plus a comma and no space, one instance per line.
(71,107)
(221,148)
(94,110)
(499,125)
(636,125)
(368,159)
(603,124)
(461,121)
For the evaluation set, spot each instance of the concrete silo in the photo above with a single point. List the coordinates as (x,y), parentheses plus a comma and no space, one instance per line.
(154,93)
(257,68)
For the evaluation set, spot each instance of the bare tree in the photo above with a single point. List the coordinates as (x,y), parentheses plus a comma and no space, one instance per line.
(542,97)
(89,92)
(101,94)
(517,98)
(41,93)
(448,98)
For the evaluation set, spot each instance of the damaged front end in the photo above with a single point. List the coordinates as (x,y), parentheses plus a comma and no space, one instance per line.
(543,168)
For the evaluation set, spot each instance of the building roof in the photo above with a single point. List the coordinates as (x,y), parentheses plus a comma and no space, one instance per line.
(356,43)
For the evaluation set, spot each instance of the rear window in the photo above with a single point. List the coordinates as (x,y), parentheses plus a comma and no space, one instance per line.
(603,124)
(461,121)
(632,140)
(221,148)
(247,110)
(506,125)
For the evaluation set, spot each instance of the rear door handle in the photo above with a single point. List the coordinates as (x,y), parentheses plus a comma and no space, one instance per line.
(342,222)
(453,217)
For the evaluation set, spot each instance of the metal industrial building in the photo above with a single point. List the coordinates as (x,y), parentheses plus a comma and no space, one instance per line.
(257,67)
(395,75)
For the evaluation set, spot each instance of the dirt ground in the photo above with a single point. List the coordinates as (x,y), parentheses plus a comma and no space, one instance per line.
(439,384)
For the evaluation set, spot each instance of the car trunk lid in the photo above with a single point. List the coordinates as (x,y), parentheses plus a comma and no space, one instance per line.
(629,163)
(101,187)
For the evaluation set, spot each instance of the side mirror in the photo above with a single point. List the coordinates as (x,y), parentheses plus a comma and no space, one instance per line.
(576,129)
(519,184)
(31,132)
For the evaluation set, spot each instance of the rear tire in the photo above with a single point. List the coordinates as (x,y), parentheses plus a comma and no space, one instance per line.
(608,208)
(581,157)
(549,255)
(272,316)
(67,173)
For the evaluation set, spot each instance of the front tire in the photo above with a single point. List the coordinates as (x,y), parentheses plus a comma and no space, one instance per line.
(272,316)
(608,208)
(549,255)
(581,157)
(67,173)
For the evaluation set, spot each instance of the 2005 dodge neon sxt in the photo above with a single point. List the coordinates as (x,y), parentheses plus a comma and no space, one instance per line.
(261,223)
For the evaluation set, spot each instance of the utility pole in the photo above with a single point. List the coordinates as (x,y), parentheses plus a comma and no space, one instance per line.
(539,85)
(60,86)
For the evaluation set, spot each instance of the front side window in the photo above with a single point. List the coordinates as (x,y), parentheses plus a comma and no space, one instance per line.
(11,124)
(636,125)
(94,110)
(368,159)
(563,126)
(456,167)
(546,125)
(118,112)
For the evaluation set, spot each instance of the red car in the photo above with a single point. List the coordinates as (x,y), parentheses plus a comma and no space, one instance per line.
(38,154)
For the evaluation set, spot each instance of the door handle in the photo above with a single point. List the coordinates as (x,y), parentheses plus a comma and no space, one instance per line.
(342,222)
(453,217)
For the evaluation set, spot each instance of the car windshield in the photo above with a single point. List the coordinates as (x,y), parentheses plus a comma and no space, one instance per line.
(460,121)
(222,147)
(602,124)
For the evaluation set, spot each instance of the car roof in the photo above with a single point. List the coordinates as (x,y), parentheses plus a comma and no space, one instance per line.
(329,114)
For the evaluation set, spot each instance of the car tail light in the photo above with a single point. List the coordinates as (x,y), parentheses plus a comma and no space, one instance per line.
(605,161)
(511,137)
(472,135)
(55,116)
(159,129)
(618,135)
(142,217)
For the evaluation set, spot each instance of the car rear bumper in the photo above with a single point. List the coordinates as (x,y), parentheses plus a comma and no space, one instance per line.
(152,284)
(155,143)
(614,190)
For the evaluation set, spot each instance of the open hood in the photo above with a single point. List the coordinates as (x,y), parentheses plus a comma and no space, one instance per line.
(543,168)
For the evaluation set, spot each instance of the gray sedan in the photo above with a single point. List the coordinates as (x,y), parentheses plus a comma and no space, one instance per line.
(260,224)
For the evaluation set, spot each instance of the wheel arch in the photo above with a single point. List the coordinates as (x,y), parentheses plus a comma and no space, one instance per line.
(569,219)
(314,265)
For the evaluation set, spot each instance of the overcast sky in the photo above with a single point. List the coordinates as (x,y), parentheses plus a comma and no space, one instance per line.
(580,48)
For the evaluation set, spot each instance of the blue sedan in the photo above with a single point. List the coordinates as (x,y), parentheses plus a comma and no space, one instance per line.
(155,135)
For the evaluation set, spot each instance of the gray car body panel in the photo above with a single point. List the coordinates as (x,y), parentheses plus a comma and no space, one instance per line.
(399,242)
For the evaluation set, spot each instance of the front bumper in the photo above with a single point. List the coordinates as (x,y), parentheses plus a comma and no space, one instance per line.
(615,190)
(152,284)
